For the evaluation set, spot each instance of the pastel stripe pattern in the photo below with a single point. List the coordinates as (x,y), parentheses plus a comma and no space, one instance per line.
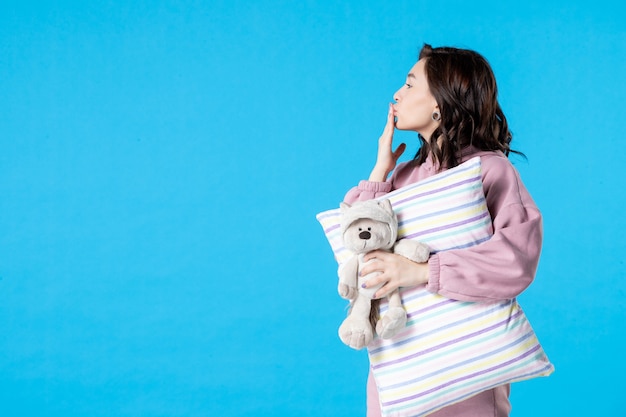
(445,211)
(449,350)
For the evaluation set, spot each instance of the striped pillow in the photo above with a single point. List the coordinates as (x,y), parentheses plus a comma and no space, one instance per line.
(449,350)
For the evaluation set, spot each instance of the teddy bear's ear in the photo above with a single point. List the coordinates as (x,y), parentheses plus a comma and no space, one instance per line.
(386,205)
(344,206)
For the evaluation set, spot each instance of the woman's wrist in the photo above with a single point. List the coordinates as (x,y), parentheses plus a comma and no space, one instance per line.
(423,274)
(379,174)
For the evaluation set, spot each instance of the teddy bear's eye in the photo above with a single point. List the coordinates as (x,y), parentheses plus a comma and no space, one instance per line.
(369,229)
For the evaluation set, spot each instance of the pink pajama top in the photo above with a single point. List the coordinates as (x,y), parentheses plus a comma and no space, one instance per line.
(500,268)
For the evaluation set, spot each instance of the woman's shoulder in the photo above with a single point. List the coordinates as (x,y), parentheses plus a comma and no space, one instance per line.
(501,180)
(494,162)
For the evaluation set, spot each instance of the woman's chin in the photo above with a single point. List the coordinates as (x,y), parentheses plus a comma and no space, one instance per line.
(401,126)
(405,126)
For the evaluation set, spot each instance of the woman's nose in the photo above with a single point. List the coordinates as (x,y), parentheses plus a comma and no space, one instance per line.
(396,95)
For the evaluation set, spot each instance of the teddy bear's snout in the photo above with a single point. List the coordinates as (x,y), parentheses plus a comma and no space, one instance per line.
(365,235)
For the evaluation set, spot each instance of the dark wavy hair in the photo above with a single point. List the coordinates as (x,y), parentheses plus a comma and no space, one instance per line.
(465,89)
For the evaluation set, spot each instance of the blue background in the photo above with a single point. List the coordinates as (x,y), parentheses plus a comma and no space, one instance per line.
(161,165)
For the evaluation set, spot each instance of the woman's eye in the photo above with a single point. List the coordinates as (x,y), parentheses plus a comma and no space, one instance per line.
(408,85)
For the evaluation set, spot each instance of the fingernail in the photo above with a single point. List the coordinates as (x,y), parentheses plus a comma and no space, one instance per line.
(363,286)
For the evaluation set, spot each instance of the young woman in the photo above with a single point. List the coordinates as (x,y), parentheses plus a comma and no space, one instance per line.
(450,100)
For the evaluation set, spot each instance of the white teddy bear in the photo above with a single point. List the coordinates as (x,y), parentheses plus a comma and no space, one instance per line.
(367,226)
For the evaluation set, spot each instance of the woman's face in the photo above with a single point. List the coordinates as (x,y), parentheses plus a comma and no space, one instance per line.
(415,104)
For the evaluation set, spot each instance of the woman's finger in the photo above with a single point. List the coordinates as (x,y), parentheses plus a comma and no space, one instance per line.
(375,254)
(372,282)
(398,152)
(371,267)
(387,135)
(382,291)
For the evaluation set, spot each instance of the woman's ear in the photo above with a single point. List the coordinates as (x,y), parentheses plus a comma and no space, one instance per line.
(436,116)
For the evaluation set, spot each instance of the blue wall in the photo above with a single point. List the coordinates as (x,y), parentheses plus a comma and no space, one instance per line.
(161,165)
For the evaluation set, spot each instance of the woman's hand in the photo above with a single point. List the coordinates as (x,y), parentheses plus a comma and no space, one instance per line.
(395,271)
(387,158)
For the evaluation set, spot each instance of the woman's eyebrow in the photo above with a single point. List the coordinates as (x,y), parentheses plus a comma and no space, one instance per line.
(410,75)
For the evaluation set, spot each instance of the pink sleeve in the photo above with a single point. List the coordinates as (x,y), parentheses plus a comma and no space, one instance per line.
(505,265)
(367,190)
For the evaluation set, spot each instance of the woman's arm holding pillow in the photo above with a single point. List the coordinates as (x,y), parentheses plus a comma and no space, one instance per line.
(504,266)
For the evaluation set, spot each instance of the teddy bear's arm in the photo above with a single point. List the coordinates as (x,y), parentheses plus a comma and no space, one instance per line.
(348,277)
(410,249)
